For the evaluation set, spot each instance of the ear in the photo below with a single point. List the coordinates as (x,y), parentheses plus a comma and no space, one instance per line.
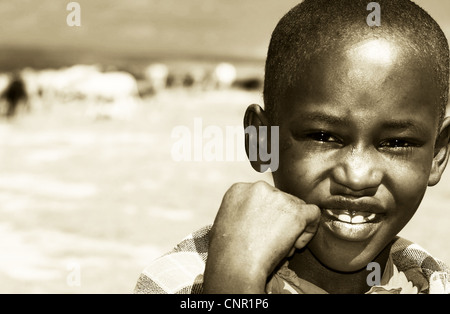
(254,118)
(441,153)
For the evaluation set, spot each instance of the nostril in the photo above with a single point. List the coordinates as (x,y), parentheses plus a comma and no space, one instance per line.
(339,189)
(359,174)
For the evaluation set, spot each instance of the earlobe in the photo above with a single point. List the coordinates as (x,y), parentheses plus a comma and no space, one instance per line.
(441,153)
(254,118)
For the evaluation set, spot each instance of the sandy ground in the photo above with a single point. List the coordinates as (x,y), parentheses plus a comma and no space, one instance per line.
(87,204)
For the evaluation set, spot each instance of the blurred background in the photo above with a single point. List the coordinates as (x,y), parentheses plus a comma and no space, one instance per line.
(89,190)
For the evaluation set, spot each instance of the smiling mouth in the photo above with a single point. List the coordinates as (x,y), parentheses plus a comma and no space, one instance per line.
(351,225)
(351,217)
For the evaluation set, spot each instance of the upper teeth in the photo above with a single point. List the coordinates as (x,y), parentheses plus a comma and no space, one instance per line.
(351,217)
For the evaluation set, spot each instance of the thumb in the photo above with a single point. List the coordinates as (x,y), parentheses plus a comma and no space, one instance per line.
(311,218)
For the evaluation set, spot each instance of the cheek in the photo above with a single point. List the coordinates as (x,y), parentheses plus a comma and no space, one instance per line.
(404,187)
(298,172)
(408,186)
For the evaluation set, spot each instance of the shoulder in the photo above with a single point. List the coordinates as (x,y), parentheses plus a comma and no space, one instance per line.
(180,270)
(407,254)
(419,265)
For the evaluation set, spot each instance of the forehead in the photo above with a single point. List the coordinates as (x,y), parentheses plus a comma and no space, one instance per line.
(374,75)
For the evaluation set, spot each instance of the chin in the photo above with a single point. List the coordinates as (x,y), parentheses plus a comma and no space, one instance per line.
(341,255)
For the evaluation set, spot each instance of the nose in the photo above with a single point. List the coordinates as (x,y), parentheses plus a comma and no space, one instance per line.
(359,172)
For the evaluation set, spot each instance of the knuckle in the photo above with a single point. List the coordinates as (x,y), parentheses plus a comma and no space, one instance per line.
(264,191)
(235,191)
(261,186)
(237,187)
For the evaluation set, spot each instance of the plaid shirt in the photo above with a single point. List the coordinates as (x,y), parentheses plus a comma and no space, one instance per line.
(180,271)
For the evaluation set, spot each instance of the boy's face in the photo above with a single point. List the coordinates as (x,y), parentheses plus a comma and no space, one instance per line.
(357,139)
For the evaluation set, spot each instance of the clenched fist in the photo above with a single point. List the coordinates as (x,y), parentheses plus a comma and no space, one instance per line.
(257,226)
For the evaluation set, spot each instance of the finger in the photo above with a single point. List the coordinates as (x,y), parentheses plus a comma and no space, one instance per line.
(291,252)
(303,240)
(311,216)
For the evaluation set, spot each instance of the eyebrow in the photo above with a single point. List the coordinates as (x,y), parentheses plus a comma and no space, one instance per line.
(405,125)
(398,125)
(329,119)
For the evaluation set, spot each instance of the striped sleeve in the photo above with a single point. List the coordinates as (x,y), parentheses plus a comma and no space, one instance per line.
(179,271)
(418,264)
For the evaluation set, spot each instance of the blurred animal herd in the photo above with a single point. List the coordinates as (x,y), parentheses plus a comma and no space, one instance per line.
(112,93)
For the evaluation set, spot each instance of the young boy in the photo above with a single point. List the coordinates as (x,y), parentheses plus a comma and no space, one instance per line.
(362,134)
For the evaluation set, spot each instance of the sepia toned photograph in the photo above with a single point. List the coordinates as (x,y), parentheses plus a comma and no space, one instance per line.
(224,147)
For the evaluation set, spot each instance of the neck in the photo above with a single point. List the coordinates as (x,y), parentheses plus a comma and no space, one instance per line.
(307,267)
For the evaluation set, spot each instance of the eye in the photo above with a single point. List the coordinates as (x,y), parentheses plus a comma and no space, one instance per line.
(398,144)
(323,137)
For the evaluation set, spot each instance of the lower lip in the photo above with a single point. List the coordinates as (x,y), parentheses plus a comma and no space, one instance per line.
(348,231)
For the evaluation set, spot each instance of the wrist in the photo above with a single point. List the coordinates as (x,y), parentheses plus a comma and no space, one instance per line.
(226,279)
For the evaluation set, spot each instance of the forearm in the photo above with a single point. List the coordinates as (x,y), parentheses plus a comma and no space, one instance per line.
(223,278)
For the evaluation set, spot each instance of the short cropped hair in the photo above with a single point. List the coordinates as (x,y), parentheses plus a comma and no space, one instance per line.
(316,26)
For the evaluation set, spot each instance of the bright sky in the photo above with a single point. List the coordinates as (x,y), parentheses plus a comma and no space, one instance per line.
(235,27)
